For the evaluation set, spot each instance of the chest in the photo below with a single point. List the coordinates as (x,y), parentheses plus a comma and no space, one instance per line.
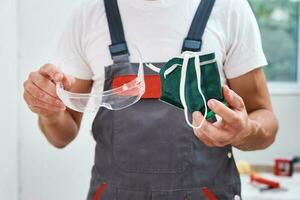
(158,35)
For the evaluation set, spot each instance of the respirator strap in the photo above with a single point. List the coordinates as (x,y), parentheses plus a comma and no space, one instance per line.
(186,59)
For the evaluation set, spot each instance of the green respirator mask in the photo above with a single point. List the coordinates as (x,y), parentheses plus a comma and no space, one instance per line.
(189,81)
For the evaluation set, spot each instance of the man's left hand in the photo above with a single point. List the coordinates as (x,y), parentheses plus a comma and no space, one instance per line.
(234,127)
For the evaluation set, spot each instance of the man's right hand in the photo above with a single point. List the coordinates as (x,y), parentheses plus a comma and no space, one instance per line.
(40,90)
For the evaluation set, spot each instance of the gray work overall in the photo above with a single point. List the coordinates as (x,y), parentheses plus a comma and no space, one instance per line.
(147,151)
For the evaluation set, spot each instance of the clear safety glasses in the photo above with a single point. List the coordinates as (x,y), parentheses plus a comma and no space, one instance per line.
(115,99)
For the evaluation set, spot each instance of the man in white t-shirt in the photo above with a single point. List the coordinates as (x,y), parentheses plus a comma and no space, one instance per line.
(141,152)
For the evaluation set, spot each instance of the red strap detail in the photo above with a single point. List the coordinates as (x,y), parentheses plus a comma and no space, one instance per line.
(99,191)
(153,85)
(208,194)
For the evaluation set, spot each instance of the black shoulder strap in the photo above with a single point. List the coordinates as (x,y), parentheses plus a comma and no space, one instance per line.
(193,42)
(118,48)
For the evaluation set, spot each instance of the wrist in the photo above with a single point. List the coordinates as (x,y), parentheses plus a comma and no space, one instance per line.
(250,130)
(51,118)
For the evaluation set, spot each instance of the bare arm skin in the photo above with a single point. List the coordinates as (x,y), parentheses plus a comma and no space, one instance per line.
(253,89)
(248,123)
(62,128)
(59,124)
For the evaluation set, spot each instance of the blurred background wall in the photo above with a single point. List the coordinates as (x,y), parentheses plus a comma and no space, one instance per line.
(8,101)
(30,169)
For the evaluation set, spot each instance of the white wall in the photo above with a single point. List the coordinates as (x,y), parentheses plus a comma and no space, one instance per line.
(287,109)
(8,88)
(44,172)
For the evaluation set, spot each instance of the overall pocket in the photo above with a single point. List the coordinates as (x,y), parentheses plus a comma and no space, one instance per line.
(149,136)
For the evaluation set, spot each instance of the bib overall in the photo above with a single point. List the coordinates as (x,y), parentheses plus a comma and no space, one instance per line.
(147,151)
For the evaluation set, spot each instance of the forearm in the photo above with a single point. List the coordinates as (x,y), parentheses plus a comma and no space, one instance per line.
(263,127)
(59,129)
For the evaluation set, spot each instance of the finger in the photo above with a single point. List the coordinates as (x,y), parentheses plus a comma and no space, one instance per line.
(205,140)
(39,111)
(197,118)
(34,102)
(216,136)
(223,111)
(68,81)
(37,93)
(53,72)
(196,121)
(44,84)
(234,100)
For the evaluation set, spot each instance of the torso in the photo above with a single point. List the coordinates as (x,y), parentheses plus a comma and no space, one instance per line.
(171,24)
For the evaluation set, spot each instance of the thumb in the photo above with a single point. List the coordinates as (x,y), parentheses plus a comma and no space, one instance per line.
(233,99)
(68,81)
(58,77)
(52,72)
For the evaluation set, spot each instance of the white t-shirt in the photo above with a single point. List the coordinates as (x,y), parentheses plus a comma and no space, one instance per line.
(158,29)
